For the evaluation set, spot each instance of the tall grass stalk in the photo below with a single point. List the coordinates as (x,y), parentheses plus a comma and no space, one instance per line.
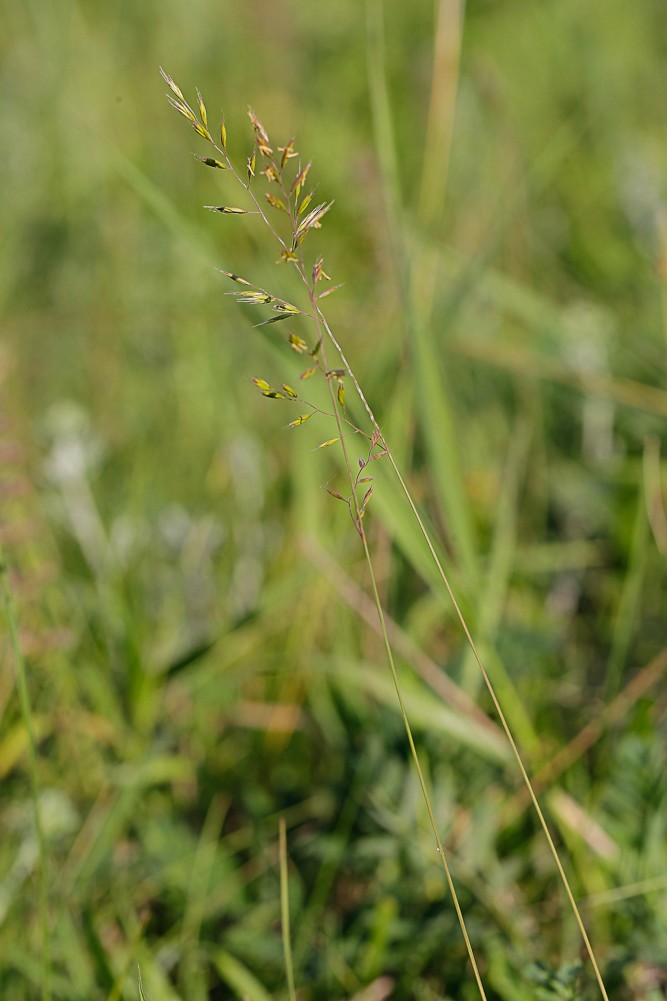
(26,714)
(299,222)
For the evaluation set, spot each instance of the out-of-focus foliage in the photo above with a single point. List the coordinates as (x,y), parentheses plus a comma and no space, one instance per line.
(191,600)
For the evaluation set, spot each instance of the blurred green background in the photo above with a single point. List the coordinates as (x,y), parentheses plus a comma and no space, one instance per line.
(199,652)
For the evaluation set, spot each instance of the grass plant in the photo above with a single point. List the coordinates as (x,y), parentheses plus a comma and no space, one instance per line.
(301,219)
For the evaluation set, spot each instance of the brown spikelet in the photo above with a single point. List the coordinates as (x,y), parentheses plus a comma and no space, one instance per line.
(271,174)
(334,493)
(261,137)
(329,291)
(277,203)
(300,180)
(317,271)
(287,152)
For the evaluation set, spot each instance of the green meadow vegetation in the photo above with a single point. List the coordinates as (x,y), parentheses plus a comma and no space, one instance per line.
(210,788)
